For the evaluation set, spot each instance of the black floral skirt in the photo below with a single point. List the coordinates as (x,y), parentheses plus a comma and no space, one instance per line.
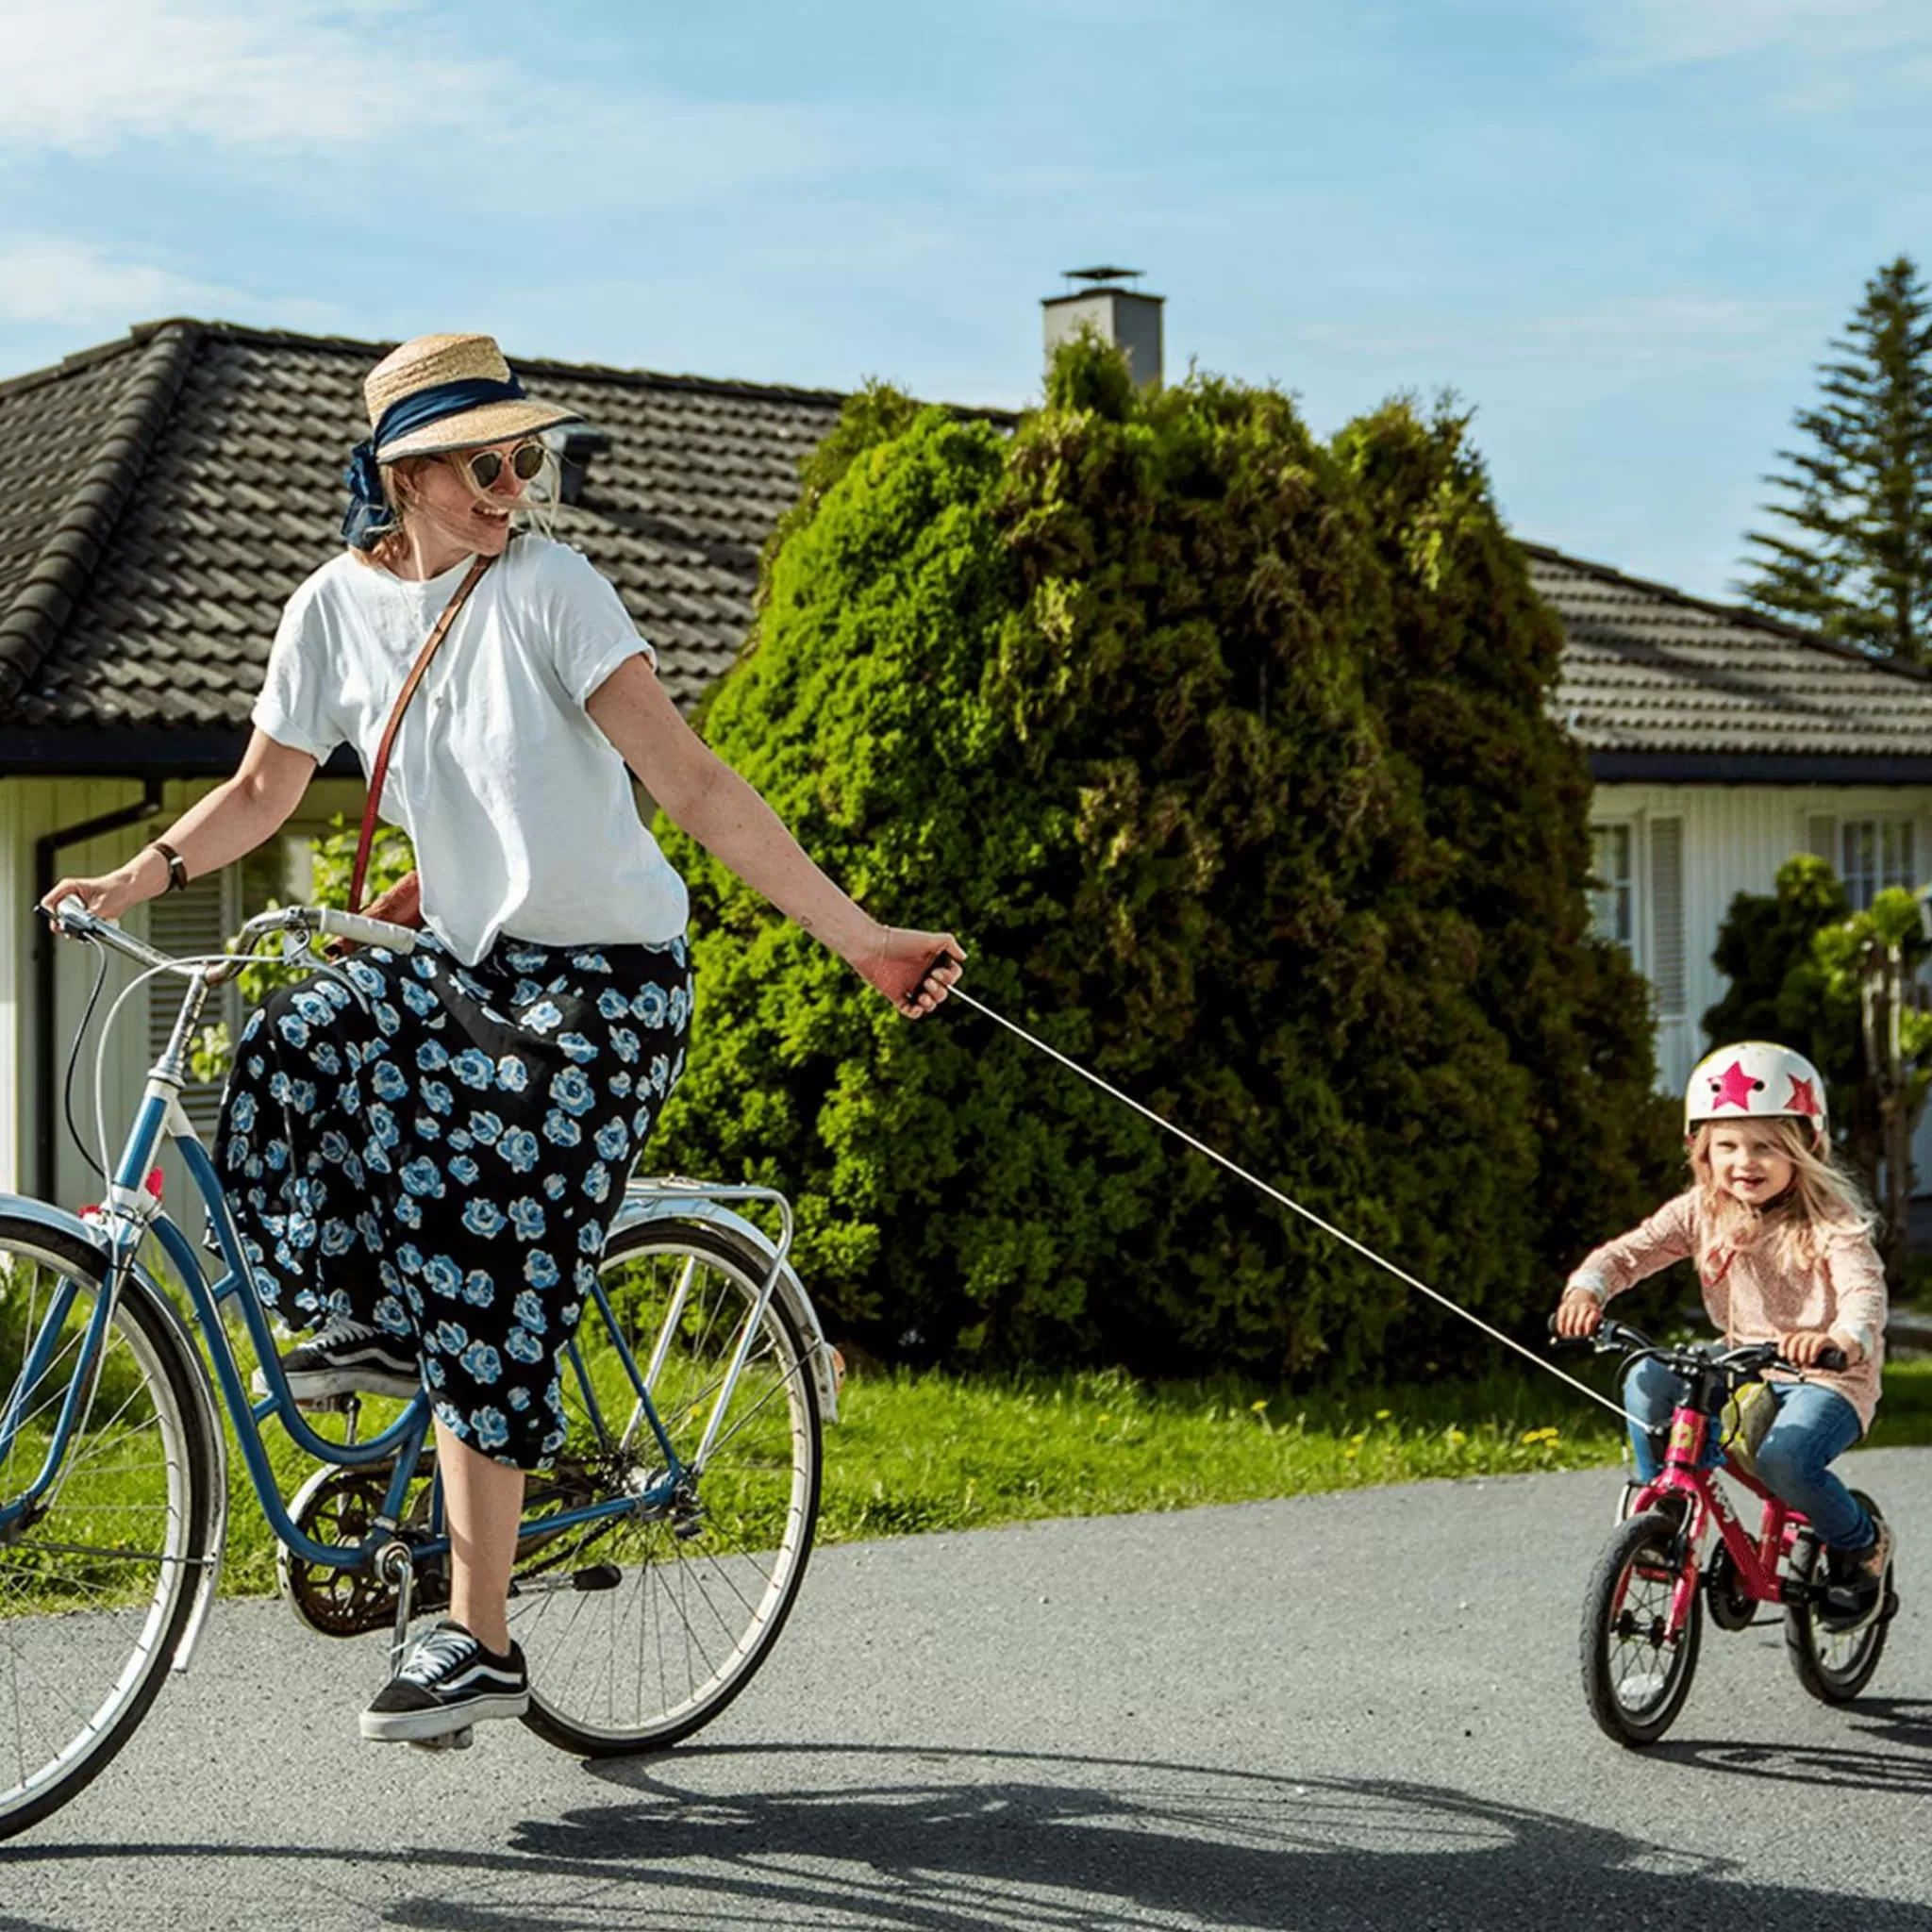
(443,1156)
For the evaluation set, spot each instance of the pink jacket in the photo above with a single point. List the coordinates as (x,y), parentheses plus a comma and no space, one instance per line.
(1752,1299)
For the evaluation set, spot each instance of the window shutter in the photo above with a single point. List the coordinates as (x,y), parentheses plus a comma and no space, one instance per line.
(1667,915)
(196,921)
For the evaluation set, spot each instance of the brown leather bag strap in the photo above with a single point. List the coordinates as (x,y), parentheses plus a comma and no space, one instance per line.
(380,771)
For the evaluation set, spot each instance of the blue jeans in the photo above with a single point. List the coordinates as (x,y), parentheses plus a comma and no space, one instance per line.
(1814,1425)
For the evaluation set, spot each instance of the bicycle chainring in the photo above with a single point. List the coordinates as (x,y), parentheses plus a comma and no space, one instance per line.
(339,1506)
(1730,1608)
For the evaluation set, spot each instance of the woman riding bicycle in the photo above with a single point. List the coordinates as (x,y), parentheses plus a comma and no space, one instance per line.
(1783,1246)
(429,1172)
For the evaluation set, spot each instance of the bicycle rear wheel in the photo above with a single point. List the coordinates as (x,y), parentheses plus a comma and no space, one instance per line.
(1636,1671)
(639,1630)
(1835,1665)
(97,1585)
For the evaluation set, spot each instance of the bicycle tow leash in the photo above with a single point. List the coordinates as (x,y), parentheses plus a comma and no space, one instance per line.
(1307,1214)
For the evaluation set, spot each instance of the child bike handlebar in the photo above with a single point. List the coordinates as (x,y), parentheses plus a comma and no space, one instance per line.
(1736,1365)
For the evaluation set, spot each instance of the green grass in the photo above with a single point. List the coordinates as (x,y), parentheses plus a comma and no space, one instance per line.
(916,1453)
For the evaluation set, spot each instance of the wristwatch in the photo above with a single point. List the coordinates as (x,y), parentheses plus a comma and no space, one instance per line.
(177,869)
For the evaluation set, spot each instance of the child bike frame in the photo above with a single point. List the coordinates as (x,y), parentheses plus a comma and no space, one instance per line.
(1643,1604)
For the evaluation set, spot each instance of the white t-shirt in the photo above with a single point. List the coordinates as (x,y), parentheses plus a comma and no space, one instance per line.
(519,808)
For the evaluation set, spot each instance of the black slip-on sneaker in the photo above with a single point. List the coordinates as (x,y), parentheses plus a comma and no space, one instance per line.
(347,1358)
(446,1682)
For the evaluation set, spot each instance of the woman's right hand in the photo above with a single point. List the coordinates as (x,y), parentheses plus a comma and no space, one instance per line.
(109,895)
(1579,1315)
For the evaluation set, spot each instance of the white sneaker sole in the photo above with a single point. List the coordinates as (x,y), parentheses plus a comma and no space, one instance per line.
(318,1385)
(415,1726)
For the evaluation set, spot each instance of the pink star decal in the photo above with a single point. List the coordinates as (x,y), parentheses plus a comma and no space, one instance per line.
(1803,1099)
(1735,1089)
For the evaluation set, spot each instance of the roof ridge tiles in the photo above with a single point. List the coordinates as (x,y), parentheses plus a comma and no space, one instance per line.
(79,362)
(31,625)
(586,372)
(1733,613)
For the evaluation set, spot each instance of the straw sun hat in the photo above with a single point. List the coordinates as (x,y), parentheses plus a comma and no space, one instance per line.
(449,380)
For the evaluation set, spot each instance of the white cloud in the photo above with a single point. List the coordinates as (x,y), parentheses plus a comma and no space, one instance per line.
(386,88)
(50,278)
(1673,33)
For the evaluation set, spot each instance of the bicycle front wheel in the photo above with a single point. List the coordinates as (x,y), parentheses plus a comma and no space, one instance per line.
(97,1578)
(641,1628)
(1637,1670)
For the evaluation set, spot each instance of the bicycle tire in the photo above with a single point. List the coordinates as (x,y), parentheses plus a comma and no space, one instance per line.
(85,1632)
(605,1679)
(1835,1666)
(1632,1703)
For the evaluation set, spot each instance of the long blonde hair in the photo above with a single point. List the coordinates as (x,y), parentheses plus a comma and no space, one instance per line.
(1821,1201)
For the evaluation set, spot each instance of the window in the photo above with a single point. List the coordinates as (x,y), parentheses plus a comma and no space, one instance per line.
(1877,853)
(1612,901)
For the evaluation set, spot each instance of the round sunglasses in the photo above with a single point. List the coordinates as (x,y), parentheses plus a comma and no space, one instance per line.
(486,465)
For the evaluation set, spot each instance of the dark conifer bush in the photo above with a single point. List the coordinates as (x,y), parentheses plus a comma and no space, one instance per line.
(1146,701)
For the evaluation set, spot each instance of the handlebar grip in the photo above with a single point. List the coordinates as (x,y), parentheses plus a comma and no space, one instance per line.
(364,931)
(1830,1359)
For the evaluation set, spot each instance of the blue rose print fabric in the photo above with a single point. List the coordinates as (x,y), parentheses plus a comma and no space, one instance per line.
(444,1156)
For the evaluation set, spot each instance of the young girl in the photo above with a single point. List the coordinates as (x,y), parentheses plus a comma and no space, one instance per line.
(1783,1246)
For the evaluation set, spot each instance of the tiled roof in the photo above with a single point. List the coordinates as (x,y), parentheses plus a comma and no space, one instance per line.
(1648,670)
(160,496)
(188,478)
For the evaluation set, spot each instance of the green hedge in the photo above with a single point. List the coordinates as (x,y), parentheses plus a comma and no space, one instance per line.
(1226,754)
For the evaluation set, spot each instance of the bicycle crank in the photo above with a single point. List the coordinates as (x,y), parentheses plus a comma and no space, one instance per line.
(339,1506)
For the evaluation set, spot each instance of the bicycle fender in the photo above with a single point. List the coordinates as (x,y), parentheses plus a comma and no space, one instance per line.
(641,1205)
(139,1281)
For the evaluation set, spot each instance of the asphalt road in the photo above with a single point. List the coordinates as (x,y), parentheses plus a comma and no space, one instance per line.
(1338,1713)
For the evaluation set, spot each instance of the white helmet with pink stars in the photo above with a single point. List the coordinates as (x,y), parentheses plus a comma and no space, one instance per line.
(1755,1079)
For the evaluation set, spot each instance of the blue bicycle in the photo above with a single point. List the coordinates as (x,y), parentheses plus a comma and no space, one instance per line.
(658,1558)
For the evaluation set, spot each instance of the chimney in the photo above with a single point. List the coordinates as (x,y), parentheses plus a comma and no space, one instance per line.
(578,445)
(1117,313)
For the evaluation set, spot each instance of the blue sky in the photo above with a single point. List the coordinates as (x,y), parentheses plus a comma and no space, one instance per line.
(1623,231)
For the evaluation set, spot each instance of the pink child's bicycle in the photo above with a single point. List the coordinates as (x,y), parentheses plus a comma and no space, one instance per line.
(1645,1606)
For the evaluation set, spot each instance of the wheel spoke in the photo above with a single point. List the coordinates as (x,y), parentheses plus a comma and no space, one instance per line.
(96,1587)
(701,1590)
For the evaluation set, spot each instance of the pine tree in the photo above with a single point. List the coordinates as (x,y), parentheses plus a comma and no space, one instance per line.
(1855,555)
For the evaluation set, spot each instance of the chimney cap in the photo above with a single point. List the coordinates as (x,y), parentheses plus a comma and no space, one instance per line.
(1102,274)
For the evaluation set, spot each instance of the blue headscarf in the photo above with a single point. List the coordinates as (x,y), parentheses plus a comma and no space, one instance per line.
(370,516)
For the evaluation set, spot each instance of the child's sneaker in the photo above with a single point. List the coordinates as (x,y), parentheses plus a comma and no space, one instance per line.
(446,1682)
(347,1358)
(1857,1582)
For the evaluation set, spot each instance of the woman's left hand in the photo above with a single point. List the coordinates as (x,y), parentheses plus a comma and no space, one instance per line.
(914,970)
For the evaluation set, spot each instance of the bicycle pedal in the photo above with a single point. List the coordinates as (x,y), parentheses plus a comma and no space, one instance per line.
(450,1741)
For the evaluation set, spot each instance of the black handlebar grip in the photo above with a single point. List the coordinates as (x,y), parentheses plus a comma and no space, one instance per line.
(1830,1359)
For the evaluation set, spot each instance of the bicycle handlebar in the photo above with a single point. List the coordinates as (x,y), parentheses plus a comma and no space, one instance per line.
(329,922)
(1618,1338)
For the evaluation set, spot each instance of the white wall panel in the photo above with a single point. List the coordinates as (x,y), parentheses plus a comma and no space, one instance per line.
(1734,840)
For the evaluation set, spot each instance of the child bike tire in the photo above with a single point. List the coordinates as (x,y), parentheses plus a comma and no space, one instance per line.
(1635,1680)
(1835,1666)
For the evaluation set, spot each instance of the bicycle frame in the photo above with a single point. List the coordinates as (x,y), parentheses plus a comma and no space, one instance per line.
(1758,1560)
(131,1214)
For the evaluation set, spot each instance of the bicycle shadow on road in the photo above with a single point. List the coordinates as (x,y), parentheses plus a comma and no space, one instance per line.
(905,1838)
(975,1841)
(1904,1770)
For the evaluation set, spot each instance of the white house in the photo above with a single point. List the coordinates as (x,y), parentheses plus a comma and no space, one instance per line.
(165,492)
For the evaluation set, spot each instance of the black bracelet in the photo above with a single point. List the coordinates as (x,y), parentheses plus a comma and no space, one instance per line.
(177,869)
